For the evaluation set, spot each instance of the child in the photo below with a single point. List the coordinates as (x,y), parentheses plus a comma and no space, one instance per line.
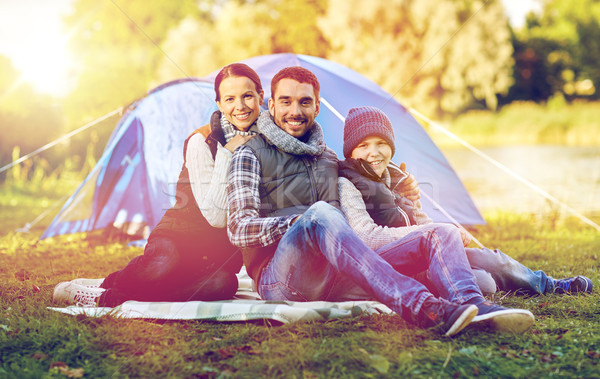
(371,188)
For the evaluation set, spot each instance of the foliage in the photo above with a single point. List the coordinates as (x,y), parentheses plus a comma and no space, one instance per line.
(439,57)
(241,29)
(118,49)
(37,342)
(558,51)
(436,56)
(26,118)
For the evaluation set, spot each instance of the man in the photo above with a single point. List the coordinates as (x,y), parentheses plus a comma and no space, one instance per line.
(284,214)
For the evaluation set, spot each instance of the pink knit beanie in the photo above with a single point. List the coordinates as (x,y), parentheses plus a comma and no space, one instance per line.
(363,122)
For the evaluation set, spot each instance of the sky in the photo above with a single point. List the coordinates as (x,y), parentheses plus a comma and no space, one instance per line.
(518,9)
(31,35)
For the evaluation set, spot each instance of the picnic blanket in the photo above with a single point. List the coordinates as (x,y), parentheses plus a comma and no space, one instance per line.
(233,310)
(246,306)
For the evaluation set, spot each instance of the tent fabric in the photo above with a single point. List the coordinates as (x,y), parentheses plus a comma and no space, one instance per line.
(134,181)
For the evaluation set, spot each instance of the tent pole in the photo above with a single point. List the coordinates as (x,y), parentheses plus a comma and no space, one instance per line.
(507,170)
(60,139)
(332,109)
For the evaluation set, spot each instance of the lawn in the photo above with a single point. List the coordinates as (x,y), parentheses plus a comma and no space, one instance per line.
(527,123)
(36,342)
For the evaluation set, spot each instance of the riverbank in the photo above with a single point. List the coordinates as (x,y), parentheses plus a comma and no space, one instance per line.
(569,174)
(526,123)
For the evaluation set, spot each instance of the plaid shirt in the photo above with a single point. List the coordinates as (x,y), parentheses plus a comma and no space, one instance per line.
(245,226)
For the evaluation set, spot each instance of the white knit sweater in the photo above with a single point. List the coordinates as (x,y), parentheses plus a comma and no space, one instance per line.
(208,179)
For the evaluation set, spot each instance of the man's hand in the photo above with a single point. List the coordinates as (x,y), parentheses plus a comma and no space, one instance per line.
(237,140)
(409,188)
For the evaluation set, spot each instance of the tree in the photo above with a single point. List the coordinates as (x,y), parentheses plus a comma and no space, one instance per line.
(565,42)
(117,46)
(438,56)
(241,29)
(587,54)
(27,120)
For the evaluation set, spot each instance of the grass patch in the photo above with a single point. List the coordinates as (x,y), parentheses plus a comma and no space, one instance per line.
(527,123)
(36,342)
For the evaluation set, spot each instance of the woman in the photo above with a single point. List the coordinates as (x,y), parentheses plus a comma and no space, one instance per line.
(371,194)
(188,255)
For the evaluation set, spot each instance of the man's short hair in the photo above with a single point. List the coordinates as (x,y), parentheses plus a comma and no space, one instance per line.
(299,74)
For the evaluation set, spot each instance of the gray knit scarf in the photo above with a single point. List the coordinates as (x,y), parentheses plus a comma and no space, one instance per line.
(288,143)
(229,131)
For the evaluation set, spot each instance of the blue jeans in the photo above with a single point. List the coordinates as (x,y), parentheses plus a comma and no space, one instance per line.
(509,274)
(320,255)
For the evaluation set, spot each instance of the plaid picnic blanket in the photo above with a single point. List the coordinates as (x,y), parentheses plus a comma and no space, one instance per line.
(233,310)
(246,306)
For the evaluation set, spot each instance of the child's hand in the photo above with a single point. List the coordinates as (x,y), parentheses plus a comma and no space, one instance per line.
(409,188)
(466,237)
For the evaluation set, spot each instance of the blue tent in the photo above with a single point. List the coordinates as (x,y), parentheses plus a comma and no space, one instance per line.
(134,181)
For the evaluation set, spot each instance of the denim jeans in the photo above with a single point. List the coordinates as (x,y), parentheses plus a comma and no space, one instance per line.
(320,255)
(168,272)
(509,274)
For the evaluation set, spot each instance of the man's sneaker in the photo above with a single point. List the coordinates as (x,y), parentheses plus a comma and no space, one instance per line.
(576,284)
(89,283)
(74,294)
(447,317)
(503,319)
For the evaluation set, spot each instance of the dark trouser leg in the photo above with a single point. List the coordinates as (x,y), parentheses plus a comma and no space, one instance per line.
(165,273)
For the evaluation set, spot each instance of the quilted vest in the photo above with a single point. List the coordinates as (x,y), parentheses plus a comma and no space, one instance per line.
(381,201)
(290,184)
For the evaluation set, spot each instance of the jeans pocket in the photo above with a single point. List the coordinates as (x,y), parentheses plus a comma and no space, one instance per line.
(278,291)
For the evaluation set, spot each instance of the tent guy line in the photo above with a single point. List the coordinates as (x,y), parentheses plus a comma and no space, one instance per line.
(60,139)
(507,170)
(149,39)
(337,114)
(27,227)
(456,223)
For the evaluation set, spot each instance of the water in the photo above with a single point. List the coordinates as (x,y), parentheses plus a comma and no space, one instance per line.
(570,174)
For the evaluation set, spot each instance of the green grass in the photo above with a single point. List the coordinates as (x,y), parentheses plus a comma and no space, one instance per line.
(38,343)
(527,123)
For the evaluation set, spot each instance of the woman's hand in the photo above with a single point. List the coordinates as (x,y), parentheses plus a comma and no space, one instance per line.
(237,140)
(409,188)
